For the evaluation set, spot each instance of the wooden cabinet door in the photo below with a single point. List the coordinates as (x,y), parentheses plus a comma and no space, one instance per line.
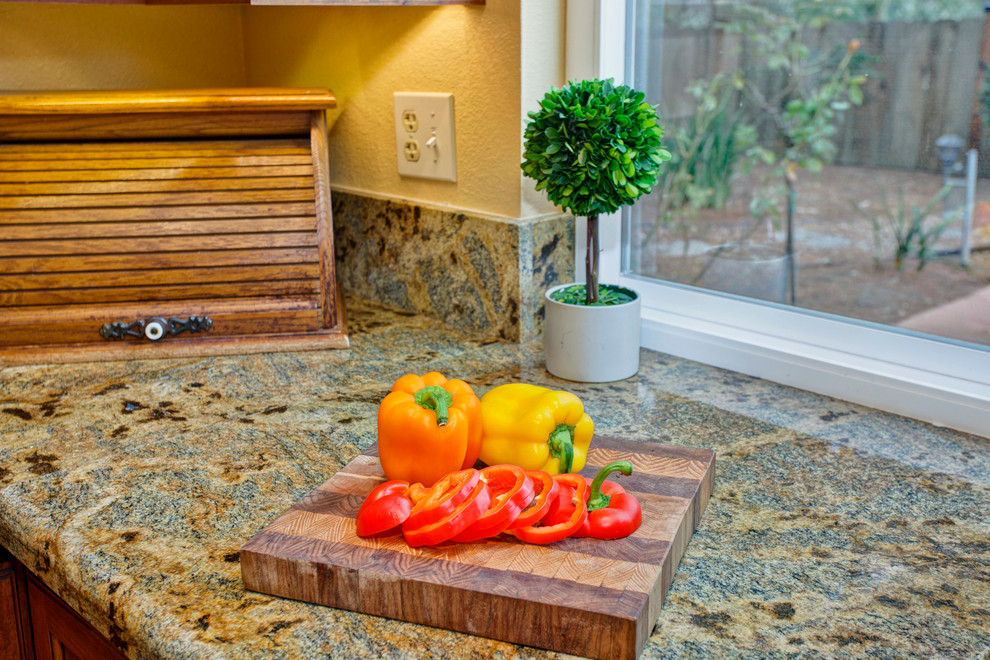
(60,633)
(15,636)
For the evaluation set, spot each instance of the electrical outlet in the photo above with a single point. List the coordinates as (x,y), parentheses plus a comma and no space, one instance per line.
(424,135)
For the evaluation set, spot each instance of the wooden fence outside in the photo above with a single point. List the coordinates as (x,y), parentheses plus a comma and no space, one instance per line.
(921,85)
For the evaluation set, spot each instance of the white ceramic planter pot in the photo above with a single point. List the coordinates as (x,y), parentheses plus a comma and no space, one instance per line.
(592,344)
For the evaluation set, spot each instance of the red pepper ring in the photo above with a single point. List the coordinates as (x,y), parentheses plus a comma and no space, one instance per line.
(612,512)
(541,533)
(469,510)
(511,491)
(443,497)
(545,491)
(385,507)
(562,507)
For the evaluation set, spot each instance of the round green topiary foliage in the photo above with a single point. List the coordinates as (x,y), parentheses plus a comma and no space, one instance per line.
(594,146)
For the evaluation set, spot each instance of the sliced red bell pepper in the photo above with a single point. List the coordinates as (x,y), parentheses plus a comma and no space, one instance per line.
(562,507)
(455,522)
(385,507)
(511,490)
(541,532)
(612,512)
(545,491)
(443,497)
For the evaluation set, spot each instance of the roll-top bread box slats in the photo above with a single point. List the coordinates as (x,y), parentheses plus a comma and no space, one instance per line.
(165,223)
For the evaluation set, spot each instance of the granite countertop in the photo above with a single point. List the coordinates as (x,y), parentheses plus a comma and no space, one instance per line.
(834,530)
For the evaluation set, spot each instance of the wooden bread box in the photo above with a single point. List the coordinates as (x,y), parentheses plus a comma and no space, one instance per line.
(137,224)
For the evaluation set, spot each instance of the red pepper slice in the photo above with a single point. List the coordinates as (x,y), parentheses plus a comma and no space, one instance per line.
(465,513)
(443,497)
(545,491)
(385,507)
(612,512)
(548,533)
(562,508)
(511,490)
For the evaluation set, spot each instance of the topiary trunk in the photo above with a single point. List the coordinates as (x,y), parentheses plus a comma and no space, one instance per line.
(591,262)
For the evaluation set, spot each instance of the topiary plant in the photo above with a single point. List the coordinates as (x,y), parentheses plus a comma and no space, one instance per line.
(594,147)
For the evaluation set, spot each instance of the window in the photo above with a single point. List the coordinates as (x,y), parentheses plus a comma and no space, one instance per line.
(942,381)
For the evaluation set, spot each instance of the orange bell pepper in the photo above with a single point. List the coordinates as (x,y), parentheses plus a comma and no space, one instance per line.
(428,427)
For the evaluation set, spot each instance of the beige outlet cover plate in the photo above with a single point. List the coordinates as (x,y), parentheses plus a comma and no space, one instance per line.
(424,135)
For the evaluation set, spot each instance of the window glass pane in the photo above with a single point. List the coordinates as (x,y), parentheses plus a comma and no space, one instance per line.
(821,156)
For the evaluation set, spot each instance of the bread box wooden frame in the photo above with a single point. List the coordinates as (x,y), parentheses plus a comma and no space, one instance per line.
(139,224)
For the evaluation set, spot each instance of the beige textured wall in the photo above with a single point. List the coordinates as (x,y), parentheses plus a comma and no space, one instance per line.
(63,46)
(364,54)
(495,59)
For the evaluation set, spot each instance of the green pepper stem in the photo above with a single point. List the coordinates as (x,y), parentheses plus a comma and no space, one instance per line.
(561,443)
(437,399)
(598,499)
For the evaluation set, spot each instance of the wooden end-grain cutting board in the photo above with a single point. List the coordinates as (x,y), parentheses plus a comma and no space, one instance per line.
(583,596)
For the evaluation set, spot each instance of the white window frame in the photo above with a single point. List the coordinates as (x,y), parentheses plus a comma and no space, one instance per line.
(945,383)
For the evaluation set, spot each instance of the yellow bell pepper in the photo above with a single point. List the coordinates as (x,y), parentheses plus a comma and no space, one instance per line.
(535,428)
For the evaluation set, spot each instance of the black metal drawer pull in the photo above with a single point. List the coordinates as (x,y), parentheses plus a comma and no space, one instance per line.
(155,328)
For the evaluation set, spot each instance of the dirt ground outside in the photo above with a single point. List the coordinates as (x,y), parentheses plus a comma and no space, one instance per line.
(845,264)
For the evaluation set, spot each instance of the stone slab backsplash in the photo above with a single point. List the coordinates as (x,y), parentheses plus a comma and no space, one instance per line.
(474,272)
